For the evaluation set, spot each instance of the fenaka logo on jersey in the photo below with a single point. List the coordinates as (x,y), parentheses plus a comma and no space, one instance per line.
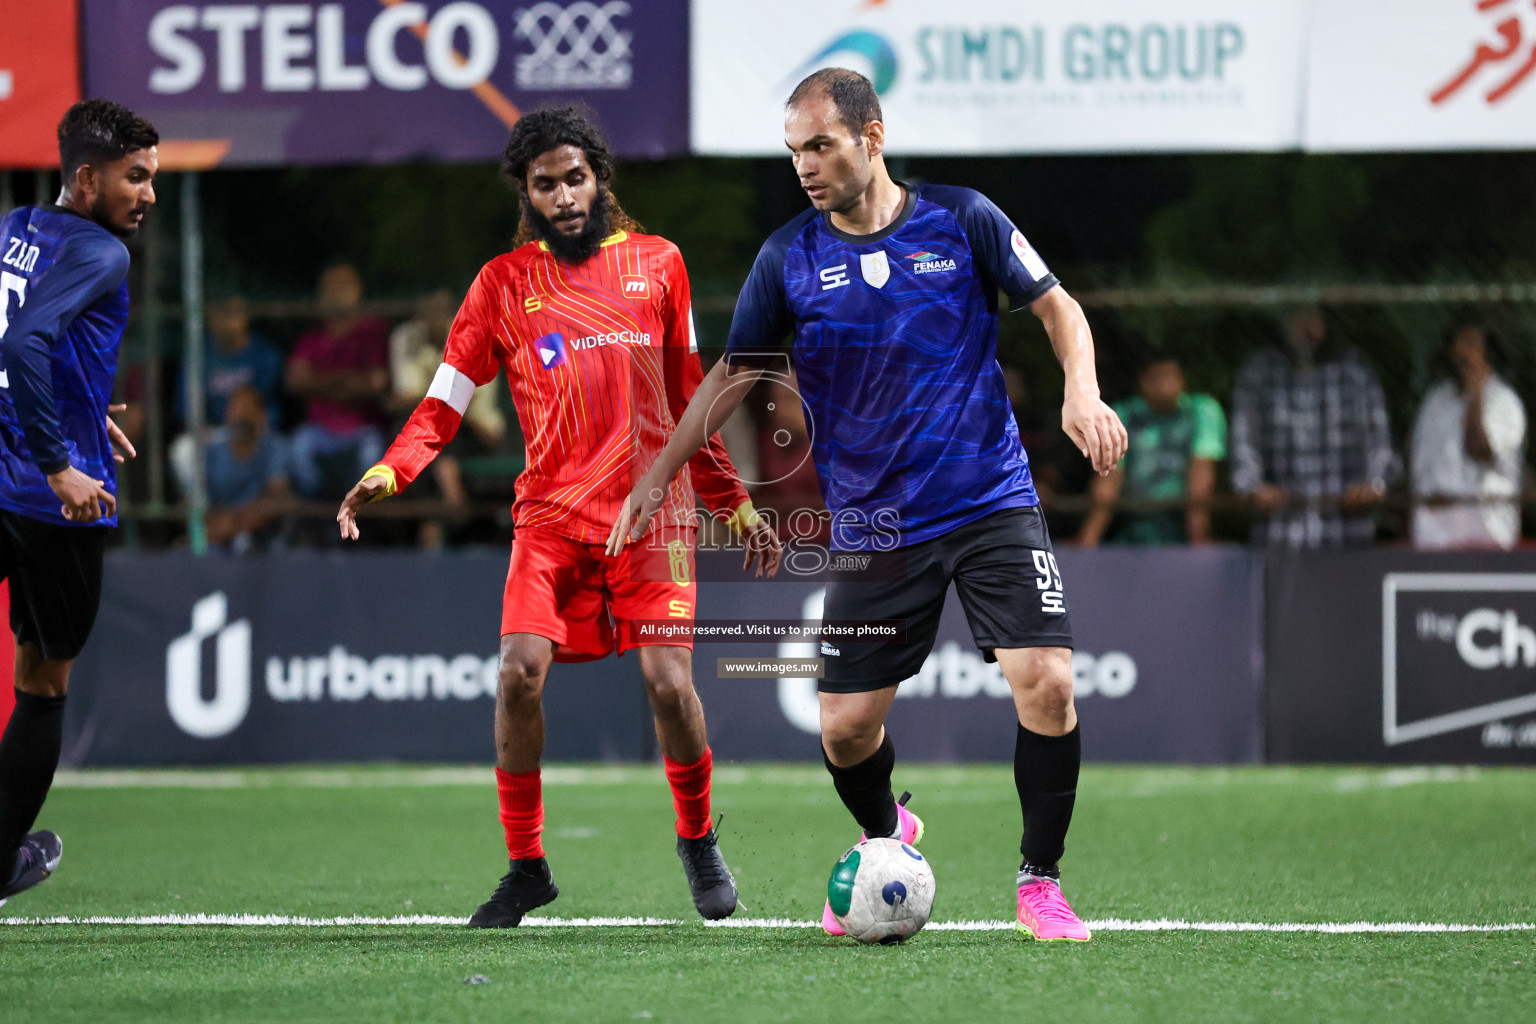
(551,350)
(876,268)
(635,286)
(925,262)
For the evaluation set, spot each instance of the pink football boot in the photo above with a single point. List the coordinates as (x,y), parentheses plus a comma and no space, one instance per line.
(1044,914)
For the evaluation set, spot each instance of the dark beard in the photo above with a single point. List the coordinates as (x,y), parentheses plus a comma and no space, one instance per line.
(574,248)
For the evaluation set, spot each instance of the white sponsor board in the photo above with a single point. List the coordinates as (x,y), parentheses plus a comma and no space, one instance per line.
(1421,74)
(1003,76)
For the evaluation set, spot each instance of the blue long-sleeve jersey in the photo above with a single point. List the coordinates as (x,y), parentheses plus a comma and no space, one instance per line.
(63,309)
(893,337)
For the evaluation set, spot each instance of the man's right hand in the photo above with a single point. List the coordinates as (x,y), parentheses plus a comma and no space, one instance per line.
(370,488)
(635,514)
(85,500)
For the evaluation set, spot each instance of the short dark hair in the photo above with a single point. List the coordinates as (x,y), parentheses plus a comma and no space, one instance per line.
(851,93)
(100,131)
(540,131)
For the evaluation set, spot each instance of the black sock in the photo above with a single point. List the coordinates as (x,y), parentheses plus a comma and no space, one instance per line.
(866,789)
(1045,771)
(29,753)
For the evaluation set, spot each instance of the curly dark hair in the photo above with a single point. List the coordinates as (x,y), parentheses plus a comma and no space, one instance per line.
(99,130)
(539,131)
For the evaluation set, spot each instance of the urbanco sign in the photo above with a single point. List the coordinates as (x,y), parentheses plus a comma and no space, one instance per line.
(337,675)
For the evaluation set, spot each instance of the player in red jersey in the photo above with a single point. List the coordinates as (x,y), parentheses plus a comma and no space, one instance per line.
(592,322)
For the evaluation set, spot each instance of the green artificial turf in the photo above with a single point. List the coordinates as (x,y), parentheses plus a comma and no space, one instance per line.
(1259,845)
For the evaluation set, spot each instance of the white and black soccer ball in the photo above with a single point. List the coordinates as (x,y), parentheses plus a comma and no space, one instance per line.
(881,891)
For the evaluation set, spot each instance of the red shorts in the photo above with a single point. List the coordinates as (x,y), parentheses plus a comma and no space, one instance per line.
(588,603)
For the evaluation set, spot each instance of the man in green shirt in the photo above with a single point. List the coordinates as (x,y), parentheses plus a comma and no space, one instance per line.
(1176,441)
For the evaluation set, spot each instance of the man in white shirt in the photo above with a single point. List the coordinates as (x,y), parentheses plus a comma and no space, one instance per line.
(1468,455)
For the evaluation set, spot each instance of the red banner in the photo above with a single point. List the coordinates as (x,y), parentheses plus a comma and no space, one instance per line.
(39,78)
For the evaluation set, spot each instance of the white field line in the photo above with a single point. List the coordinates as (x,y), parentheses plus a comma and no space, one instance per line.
(773,923)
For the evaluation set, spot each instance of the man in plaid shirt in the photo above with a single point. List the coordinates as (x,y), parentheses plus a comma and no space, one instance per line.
(1311,445)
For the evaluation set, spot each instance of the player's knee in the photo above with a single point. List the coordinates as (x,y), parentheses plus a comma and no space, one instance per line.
(1049,693)
(669,692)
(39,676)
(847,739)
(519,683)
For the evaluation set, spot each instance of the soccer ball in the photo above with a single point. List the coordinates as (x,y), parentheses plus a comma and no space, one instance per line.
(881,891)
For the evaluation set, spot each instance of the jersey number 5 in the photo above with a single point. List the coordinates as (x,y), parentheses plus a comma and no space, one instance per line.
(9,283)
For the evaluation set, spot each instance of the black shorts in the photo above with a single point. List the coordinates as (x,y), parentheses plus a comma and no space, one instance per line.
(55,576)
(1008,584)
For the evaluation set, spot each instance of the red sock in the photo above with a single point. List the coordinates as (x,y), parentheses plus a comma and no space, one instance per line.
(522,812)
(690,793)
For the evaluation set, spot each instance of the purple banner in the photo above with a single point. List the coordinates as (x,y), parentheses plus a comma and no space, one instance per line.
(385,81)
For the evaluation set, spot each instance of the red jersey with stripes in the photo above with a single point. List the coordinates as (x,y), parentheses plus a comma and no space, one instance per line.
(601,358)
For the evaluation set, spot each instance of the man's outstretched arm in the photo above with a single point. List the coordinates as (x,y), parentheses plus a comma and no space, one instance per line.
(719,394)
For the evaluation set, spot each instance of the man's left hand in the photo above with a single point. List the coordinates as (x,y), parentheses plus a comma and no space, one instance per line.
(1095,429)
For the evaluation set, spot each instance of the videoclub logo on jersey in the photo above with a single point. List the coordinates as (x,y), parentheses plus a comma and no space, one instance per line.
(337,675)
(925,262)
(1459,653)
(551,350)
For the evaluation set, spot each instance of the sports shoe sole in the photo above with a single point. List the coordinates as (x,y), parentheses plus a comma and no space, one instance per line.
(1019,926)
(549,898)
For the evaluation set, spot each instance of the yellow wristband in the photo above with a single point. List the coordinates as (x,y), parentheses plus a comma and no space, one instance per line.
(744,516)
(386,474)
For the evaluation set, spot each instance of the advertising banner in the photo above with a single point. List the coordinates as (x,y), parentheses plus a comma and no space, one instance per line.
(1422,74)
(1168,667)
(39,79)
(327,657)
(1384,656)
(386,81)
(997,76)
(316,657)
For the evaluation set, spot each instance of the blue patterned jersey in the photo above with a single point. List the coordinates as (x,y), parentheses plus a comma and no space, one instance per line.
(63,308)
(893,338)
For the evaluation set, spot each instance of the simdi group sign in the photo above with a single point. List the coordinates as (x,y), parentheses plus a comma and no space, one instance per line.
(998,76)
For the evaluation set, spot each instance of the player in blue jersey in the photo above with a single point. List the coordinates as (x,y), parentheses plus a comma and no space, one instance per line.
(63,308)
(888,295)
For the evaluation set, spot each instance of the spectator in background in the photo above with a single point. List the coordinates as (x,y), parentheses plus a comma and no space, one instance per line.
(1176,441)
(247,475)
(341,369)
(415,353)
(235,358)
(1311,441)
(1468,454)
